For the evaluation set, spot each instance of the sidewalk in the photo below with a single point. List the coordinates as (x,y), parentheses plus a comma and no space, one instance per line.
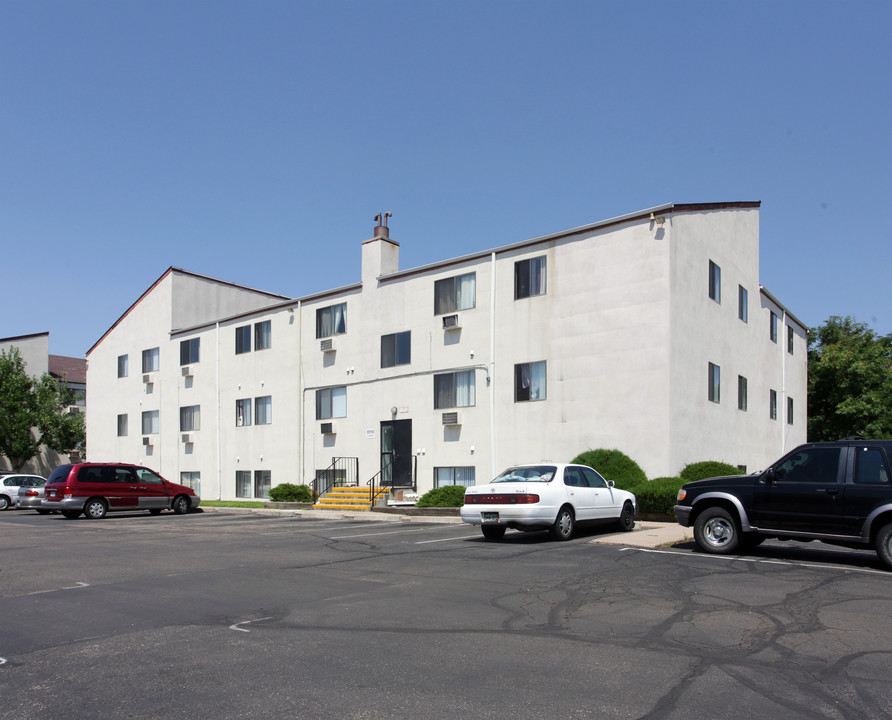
(647,533)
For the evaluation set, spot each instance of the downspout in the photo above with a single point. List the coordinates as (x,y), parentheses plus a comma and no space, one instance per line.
(301,436)
(217,384)
(492,363)
(784,413)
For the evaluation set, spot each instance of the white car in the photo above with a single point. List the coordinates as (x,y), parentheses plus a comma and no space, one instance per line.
(10,484)
(547,496)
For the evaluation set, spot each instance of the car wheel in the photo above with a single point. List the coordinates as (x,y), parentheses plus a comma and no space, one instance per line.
(43,512)
(95,509)
(626,518)
(493,532)
(884,545)
(181,505)
(716,532)
(563,524)
(4,502)
(71,514)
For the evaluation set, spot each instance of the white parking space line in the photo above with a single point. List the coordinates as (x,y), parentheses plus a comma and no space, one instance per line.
(322,525)
(247,622)
(462,537)
(392,532)
(763,561)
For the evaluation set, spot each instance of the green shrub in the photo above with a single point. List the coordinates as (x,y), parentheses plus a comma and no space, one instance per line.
(707,469)
(446,496)
(288,492)
(658,495)
(613,465)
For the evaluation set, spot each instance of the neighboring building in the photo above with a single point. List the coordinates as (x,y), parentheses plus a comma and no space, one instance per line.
(648,333)
(72,372)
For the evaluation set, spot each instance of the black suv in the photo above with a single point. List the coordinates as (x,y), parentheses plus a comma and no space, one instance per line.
(837,492)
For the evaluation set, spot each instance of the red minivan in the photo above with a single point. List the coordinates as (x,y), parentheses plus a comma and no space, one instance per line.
(95,489)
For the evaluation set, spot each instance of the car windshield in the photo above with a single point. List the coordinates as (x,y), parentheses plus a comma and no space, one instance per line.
(536,473)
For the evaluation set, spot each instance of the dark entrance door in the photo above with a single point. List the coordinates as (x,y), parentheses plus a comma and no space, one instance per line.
(397,462)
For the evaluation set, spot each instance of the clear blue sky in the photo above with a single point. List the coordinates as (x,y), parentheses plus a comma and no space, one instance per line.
(255,141)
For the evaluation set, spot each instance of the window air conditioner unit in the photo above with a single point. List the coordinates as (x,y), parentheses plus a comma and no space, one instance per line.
(187,371)
(450,322)
(327,345)
(147,379)
(451,418)
(73,411)
(327,428)
(187,438)
(147,441)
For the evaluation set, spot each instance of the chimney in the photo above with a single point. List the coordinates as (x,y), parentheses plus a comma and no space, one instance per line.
(380,254)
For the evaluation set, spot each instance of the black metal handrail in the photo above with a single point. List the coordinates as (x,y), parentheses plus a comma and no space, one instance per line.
(343,472)
(376,485)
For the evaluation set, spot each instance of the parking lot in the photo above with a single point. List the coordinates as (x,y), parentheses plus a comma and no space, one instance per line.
(248,616)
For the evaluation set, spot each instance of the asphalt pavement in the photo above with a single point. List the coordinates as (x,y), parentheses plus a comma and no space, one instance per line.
(645,534)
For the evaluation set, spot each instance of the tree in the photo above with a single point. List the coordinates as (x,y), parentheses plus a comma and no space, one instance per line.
(849,381)
(33,413)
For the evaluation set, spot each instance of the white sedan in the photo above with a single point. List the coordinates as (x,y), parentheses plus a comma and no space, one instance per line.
(547,496)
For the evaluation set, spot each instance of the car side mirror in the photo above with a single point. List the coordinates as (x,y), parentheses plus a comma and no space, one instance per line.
(770,477)
(610,483)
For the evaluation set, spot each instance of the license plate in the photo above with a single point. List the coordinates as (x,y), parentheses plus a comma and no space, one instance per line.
(490,517)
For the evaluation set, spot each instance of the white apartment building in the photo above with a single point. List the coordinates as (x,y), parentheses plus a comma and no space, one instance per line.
(648,333)
(71,372)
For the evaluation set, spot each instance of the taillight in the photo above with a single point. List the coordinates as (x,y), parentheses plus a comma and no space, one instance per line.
(513,499)
(30,493)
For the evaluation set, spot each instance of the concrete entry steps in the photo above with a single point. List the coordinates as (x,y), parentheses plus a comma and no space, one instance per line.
(349,498)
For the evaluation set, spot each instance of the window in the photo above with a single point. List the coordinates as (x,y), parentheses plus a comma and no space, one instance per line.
(715,383)
(870,467)
(455,293)
(331,320)
(593,478)
(772,327)
(122,425)
(189,351)
(150,360)
(190,418)
(741,393)
(243,412)
(529,381)
(263,335)
(715,282)
(191,480)
(529,277)
(123,366)
(396,349)
(147,476)
(331,403)
(743,304)
(150,422)
(456,389)
(790,337)
(463,476)
(789,411)
(263,410)
(243,483)
(262,483)
(812,465)
(772,404)
(242,339)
